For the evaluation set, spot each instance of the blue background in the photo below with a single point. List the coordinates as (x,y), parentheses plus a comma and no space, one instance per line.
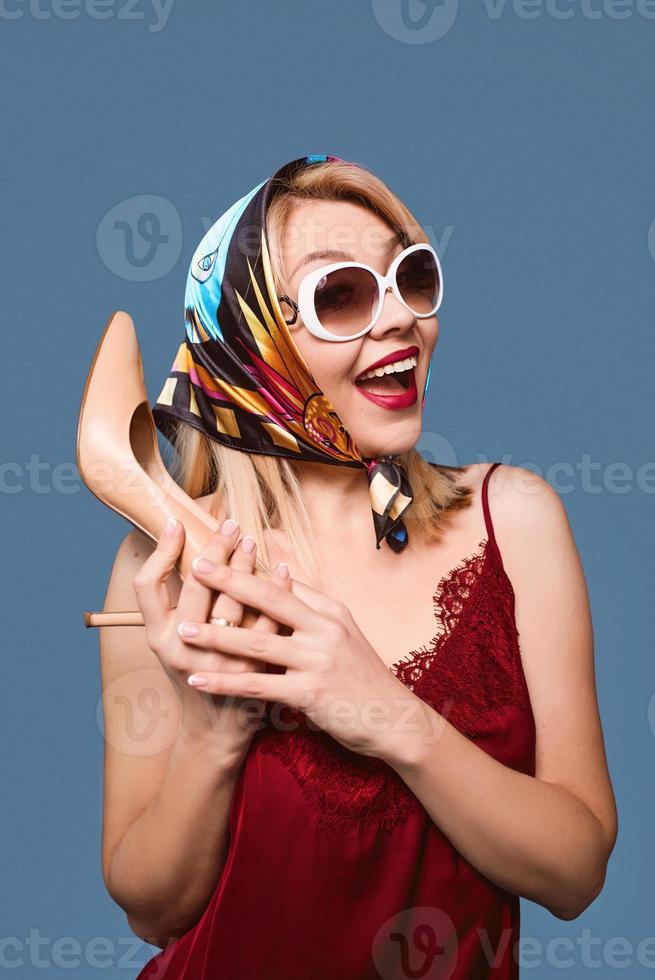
(524,144)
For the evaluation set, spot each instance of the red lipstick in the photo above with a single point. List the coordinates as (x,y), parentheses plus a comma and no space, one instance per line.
(397,355)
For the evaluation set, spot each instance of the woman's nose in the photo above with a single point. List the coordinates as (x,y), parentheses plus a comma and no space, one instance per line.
(394,315)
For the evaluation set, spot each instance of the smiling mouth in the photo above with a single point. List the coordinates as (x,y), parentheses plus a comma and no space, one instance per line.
(387,384)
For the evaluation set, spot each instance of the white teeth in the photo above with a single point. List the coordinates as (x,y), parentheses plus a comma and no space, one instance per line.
(405,365)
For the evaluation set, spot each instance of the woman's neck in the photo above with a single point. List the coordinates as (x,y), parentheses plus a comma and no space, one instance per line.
(335,496)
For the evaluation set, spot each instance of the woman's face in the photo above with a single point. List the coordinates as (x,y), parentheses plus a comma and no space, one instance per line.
(381,424)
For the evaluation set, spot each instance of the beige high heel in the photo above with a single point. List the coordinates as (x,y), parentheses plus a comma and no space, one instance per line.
(118,455)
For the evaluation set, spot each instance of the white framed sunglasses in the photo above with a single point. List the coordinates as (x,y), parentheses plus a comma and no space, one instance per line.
(344,300)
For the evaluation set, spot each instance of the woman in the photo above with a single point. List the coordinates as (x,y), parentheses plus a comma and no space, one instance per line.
(308,800)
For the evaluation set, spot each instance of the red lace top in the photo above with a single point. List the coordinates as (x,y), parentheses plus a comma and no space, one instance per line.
(335,870)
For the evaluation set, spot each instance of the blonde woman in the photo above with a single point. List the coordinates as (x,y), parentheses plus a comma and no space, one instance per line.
(363,756)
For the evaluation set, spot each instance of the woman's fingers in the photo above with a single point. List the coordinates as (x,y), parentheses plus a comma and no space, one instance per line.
(269,597)
(219,653)
(150,581)
(263,687)
(265,622)
(243,558)
(322,602)
(262,647)
(196,598)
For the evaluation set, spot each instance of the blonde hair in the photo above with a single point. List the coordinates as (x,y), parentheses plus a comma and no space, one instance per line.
(263,493)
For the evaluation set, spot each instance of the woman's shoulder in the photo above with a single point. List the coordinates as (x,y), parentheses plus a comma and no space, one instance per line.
(133,550)
(525,512)
(520,498)
(529,519)
(131,554)
(513,485)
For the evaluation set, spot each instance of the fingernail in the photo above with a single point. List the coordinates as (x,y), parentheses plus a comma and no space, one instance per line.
(196,680)
(203,565)
(228,526)
(248,543)
(187,629)
(283,570)
(170,527)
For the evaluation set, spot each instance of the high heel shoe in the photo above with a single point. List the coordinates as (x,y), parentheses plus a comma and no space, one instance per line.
(118,455)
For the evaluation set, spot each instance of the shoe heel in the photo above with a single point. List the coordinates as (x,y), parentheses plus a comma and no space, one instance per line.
(117,451)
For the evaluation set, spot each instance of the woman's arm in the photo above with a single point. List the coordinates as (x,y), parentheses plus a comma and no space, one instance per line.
(167,790)
(547,837)
(167,865)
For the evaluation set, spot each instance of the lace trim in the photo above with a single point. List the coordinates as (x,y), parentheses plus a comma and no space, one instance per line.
(343,788)
(476,649)
(471,667)
(448,601)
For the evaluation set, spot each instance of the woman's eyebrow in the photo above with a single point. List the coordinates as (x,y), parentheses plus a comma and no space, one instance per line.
(327,253)
(334,253)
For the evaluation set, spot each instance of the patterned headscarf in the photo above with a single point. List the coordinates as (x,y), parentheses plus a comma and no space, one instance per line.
(239,377)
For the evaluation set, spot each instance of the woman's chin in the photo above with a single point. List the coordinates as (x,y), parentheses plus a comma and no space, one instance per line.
(399,431)
(372,447)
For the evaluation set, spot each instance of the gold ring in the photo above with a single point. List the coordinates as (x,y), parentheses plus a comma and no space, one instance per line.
(221,621)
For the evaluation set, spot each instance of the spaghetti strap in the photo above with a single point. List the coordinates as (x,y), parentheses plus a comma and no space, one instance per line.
(485,507)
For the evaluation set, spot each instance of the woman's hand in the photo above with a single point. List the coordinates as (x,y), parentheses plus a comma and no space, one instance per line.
(333,675)
(203,713)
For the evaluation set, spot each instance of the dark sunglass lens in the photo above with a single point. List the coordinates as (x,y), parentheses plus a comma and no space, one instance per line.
(418,281)
(345,300)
